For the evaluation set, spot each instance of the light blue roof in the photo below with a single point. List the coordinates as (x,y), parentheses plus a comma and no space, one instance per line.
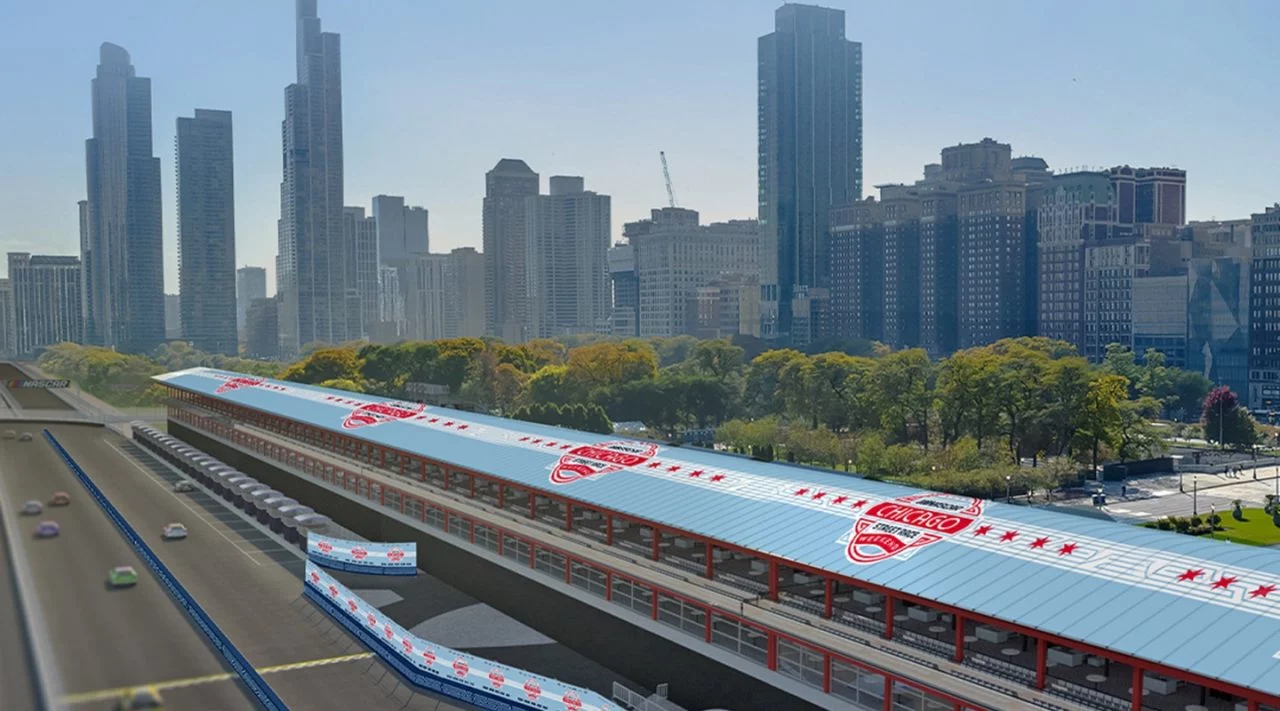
(1206,607)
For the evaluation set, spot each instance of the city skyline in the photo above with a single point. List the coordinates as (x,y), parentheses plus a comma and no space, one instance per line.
(711,148)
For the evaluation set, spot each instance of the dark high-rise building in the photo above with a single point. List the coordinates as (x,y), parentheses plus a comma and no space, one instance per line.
(1264,311)
(251,283)
(506,187)
(939,254)
(46,301)
(856,248)
(810,152)
(207,231)
(1077,209)
(1156,196)
(121,247)
(310,277)
(262,329)
(993,288)
(403,230)
(361,264)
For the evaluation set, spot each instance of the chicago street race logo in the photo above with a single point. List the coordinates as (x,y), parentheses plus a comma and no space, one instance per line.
(374,413)
(901,526)
(237,383)
(590,460)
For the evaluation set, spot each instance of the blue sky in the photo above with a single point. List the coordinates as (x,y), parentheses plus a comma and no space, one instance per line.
(436,92)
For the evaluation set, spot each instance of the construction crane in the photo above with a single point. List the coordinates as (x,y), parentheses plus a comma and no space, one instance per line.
(666,175)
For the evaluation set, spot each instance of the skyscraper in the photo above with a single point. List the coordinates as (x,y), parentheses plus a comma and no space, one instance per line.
(207,231)
(361,264)
(251,283)
(1078,209)
(507,186)
(311,280)
(567,273)
(403,230)
(8,329)
(810,149)
(121,247)
(46,301)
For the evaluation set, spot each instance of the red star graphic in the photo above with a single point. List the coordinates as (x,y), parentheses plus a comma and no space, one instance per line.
(437,419)
(449,423)
(718,477)
(800,492)
(696,472)
(1262,591)
(550,444)
(463,427)
(536,441)
(565,446)
(839,500)
(1009,536)
(674,468)
(1223,583)
(982,530)
(1067,549)
(654,465)
(819,495)
(859,504)
(1040,542)
(1190,575)
(524,439)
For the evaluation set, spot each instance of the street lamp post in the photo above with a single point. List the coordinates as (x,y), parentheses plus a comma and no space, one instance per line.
(1195,490)
(1008,488)
(1212,513)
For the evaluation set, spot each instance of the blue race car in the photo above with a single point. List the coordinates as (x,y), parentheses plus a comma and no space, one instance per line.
(47,529)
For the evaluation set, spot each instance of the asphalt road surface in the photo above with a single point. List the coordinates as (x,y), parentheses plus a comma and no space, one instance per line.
(16,675)
(104,640)
(247,583)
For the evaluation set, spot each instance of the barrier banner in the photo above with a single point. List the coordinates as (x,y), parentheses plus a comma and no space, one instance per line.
(470,679)
(23,384)
(363,556)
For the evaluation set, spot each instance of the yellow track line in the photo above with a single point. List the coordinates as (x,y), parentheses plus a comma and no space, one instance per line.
(105,694)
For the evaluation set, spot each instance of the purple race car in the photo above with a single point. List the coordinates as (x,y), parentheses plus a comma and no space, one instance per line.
(47,529)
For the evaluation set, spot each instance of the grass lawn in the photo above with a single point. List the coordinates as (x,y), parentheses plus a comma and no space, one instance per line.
(1256,529)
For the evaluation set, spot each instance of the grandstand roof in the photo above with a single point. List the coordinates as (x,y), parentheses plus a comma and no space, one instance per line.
(1210,608)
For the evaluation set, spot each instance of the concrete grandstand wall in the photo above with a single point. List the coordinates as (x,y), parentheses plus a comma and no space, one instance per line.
(642,656)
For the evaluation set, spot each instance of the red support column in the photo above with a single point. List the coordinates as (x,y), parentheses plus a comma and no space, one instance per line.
(533,504)
(888,617)
(382,456)
(608,529)
(1136,692)
(827,602)
(771,657)
(502,496)
(608,586)
(826,673)
(959,655)
(447,475)
(888,693)
(473,486)
(568,516)
(711,561)
(708,630)
(657,538)
(1253,705)
(773,581)
(1042,663)
(424,471)
(654,595)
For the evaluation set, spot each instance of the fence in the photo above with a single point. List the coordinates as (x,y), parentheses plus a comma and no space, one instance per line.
(262,692)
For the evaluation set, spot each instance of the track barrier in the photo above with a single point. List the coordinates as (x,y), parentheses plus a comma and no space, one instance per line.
(363,556)
(262,692)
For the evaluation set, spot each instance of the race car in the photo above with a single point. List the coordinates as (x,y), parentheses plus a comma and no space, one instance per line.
(60,498)
(183,486)
(24,437)
(10,434)
(174,531)
(142,697)
(122,576)
(47,529)
(32,508)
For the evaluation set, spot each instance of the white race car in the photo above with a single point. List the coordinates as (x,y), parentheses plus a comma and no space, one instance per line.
(174,531)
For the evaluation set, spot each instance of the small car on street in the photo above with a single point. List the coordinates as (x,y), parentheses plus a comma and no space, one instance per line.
(47,529)
(60,498)
(142,697)
(24,437)
(32,508)
(174,531)
(122,576)
(10,434)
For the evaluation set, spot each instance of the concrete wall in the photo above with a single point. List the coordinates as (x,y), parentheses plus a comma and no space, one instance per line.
(697,682)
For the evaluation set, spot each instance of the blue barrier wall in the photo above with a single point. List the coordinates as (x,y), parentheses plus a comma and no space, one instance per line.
(258,686)
(367,557)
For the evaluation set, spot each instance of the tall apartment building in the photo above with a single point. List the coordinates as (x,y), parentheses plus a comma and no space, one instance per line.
(1264,310)
(251,283)
(1077,209)
(444,295)
(1112,267)
(172,317)
(566,246)
(360,235)
(207,231)
(507,186)
(403,230)
(675,256)
(1156,196)
(875,269)
(310,275)
(391,324)
(624,319)
(810,151)
(1218,320)
(46,301)
(1160,315)
(262,329)
(121,247)
(939,268)
(726,307)
(8,329)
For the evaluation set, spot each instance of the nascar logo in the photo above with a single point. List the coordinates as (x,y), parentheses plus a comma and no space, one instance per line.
(378,412)
(592,460)
(901,526)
